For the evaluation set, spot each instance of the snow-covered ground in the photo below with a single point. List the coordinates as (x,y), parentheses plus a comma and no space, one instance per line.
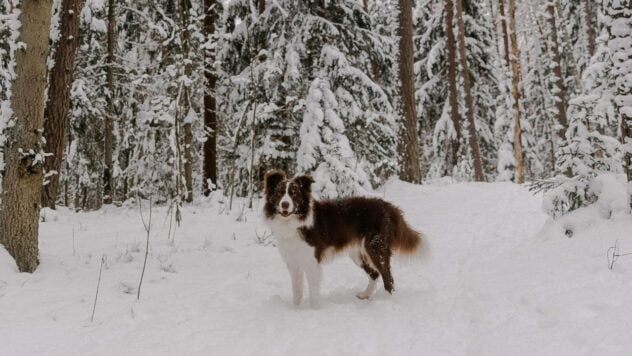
(498,283)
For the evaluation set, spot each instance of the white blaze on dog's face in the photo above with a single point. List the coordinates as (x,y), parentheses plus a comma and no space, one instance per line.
(286,204)
(287,197)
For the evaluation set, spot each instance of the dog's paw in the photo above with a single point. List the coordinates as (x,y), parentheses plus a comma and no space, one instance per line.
(363,296)
(297,301)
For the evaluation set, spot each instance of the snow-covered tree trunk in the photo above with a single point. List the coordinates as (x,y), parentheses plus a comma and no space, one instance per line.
(515,93)
(452,85)
(559,89)
(108,127)
(60,82)
(22,181)
(588,28)
(209,178)
(620,47)
(503,25)
(410,169)
(479,176)
(185,100)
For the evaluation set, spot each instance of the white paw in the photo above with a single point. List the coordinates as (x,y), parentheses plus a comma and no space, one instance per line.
(363,296)
(297,300)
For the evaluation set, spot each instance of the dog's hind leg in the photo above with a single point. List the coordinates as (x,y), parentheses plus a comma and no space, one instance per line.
(361,258)
(370,288)
(380,255)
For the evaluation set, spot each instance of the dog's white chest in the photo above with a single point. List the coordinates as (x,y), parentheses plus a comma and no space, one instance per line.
(293,249)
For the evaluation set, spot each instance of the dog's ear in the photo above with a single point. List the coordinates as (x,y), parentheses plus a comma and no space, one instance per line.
(304,181)
(273,178)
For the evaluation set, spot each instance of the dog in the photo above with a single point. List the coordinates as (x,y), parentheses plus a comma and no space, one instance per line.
(310,232)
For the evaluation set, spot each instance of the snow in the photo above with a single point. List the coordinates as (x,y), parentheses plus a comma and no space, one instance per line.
(503,279)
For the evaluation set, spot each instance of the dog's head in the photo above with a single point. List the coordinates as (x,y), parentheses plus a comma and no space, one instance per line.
(287,198)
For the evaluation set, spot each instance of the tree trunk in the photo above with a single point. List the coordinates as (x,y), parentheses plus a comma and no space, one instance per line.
(515,93)
(409,170)
(108,130)
(185,7)
(22,181)
(60,82)
(262,6)
(620,38)
(590,31)
(452,87)
(210,114)
(479,176)
(503,25)
(558,81)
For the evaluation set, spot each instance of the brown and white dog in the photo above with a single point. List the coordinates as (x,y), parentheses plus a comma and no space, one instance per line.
(310,232)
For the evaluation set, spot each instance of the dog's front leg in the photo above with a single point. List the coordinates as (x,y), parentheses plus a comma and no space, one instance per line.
(297,283)
(314,276)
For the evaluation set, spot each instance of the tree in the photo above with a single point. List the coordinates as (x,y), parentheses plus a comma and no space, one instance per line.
(209,178)
(410,169)
(108,127)
(22,182)
(452,80)
(469,102)
(185,99)
(56,111)
(558,80)
(515,92)
(503,25)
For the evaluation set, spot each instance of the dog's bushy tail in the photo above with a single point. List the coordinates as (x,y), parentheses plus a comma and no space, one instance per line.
(410,244)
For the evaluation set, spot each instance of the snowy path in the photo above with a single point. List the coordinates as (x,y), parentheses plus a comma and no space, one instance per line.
(496,284)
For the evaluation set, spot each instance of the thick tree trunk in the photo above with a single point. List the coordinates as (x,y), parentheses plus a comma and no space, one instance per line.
(452,87)
(409,169)
(515,93)
(503,25)
(479,176)
(60,82)
(185,6)
(558,83)
(210,114)
(108,129)
(22,181)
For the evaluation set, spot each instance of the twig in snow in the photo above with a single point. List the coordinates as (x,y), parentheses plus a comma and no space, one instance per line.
(74,249)
(147,226)
(613,254)
(96,296)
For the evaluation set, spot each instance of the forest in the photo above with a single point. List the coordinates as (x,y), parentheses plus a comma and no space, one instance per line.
(135,136)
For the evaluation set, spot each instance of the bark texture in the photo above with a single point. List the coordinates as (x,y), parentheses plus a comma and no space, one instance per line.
(410,169)
(558,83)
(515,93)
(22,182)
(210,104)
(479,176)
(503,26)
(588,28)
(108,129)
(452,87)
(59,85)
(185,7)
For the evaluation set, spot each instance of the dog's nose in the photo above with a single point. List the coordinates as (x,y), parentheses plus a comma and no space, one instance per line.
(285,205)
